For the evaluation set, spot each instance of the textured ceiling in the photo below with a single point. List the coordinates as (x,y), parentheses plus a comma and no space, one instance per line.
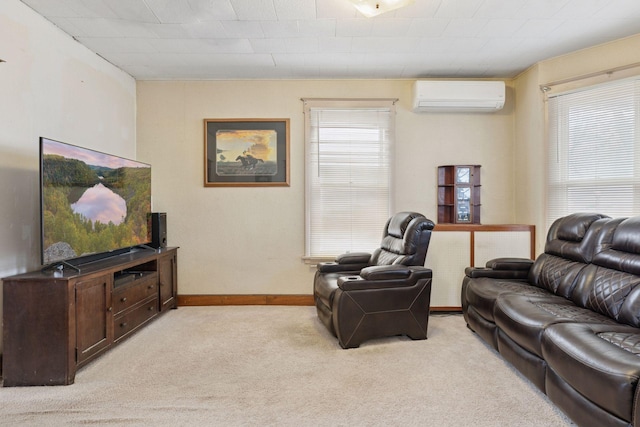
(317,39)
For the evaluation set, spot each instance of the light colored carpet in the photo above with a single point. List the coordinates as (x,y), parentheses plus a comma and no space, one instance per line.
(271,365)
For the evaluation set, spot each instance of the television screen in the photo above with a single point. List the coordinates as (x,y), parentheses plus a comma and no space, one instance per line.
(91,202)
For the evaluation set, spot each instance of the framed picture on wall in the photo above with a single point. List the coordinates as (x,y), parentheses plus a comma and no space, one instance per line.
(246,152)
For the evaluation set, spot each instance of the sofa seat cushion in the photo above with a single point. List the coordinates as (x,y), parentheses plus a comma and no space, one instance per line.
(524,318)
(601,362)
(481,293)
(481,326)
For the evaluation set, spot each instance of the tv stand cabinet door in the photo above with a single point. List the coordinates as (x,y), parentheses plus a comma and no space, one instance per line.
(94,317)
(168,280)
(38,331)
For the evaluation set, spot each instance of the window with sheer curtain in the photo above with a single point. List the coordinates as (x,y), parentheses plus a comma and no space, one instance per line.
(349,168)
(594,150)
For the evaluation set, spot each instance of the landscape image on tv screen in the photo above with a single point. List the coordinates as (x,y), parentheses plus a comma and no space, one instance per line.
(91,202)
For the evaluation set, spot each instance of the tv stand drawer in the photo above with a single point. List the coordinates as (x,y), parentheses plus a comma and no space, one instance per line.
(134,292)
(131,320)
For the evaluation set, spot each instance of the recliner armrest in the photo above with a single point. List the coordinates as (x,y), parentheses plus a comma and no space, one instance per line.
(385,272)
(384,276)
(354,258)
(502,268)
(334,267)
(354,261)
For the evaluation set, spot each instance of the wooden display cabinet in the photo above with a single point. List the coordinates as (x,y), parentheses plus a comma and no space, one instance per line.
(459,194)
(57,321)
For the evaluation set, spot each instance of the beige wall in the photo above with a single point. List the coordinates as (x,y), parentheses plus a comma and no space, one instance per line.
(51,86)
(529,155)
(530,138)
(251,240)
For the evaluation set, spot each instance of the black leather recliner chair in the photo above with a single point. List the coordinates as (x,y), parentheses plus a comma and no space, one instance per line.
(362,296)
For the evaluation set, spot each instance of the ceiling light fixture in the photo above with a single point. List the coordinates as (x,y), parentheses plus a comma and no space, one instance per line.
(370,8)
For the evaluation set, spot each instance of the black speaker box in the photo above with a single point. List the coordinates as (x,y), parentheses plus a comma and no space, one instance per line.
(158,229)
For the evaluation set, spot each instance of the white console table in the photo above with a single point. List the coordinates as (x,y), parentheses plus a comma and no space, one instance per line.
(454,247)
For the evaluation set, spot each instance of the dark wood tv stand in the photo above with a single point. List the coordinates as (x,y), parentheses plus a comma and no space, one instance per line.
(57,321)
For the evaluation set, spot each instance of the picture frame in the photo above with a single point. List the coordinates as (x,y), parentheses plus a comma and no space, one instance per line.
(246,152)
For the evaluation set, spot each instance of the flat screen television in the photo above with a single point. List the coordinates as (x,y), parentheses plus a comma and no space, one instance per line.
(93,204)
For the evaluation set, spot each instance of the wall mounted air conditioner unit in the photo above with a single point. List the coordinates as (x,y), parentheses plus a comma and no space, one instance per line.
(458,96)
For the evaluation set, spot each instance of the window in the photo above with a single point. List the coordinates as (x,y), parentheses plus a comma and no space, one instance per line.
(594,151)
(349,147)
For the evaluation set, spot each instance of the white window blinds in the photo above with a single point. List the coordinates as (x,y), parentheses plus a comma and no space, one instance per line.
(593,151)
(349,147)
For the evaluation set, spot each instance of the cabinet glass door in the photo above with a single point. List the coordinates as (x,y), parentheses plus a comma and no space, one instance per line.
(463,176)
(463,204)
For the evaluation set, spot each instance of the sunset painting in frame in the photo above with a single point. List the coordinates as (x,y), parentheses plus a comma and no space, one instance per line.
(246,152)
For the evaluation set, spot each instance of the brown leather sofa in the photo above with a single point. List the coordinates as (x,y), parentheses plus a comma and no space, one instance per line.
(362,296)
(570,321)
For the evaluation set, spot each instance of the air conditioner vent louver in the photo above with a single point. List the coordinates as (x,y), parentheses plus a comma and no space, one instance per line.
(458,96)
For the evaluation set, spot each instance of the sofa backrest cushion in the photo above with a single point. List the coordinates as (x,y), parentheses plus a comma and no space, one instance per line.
(611,284)
(555,274)
(572,237)
(626,239)
(571,243)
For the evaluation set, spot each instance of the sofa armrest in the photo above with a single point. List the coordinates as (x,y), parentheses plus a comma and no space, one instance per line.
(475,272)
(502,268)
(384,276)
(512,264)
